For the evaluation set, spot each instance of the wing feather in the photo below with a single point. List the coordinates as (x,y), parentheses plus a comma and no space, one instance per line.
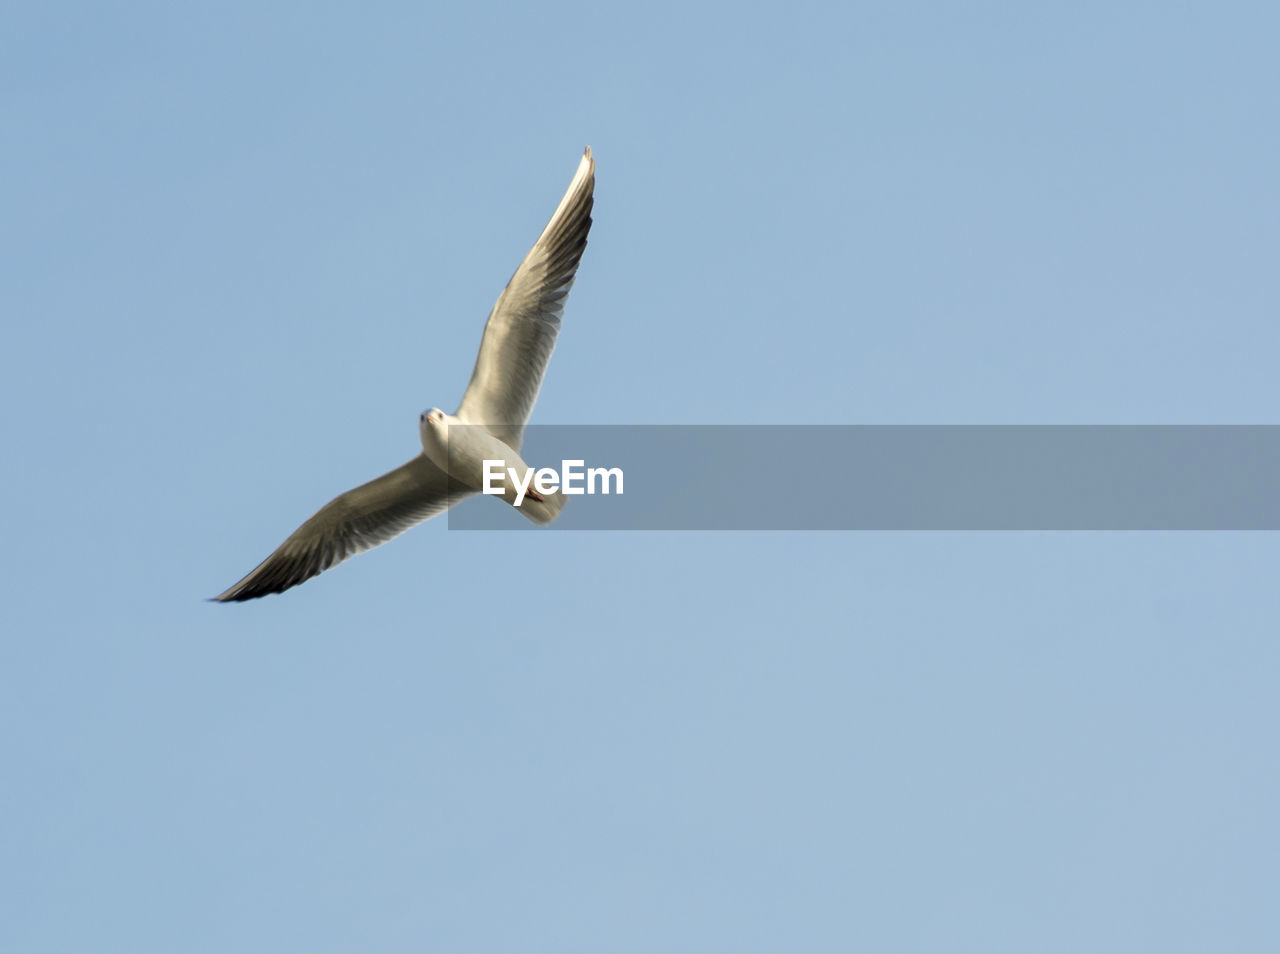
(521,331)
(356,521)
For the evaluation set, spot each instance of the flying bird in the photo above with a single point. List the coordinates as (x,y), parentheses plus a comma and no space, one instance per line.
(517,344)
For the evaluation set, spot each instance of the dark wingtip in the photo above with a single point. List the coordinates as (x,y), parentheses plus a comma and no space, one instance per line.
(242,592)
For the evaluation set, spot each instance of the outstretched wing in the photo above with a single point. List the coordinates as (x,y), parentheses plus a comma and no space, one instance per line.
(521,331)
(359,520)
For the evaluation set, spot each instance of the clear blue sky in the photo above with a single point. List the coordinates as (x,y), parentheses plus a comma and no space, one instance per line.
(245,244)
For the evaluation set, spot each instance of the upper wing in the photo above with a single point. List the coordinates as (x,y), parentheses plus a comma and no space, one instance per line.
(521,331)
(358,520)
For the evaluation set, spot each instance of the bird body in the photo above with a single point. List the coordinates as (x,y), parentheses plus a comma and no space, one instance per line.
(465,451)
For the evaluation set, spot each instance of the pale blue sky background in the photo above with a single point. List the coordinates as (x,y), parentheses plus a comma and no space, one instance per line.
(243,245)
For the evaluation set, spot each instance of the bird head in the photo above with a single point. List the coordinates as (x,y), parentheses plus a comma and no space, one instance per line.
(433,428)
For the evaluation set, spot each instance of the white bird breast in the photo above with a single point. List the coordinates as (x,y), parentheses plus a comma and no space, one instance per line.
(460,450)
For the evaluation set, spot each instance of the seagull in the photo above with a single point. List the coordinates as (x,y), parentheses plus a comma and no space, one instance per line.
(488,425)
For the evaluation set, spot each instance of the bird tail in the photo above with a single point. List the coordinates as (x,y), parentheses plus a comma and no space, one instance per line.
(545,510)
